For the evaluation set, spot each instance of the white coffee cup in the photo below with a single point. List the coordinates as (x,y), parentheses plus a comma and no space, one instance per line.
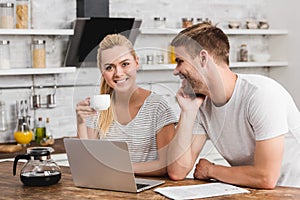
(101,102)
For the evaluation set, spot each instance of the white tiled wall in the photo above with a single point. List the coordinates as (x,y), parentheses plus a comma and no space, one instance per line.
(86,79)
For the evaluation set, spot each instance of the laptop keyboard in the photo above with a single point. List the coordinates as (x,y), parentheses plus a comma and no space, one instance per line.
(139,185)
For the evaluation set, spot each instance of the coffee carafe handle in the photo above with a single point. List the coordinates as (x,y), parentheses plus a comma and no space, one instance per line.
(18,157)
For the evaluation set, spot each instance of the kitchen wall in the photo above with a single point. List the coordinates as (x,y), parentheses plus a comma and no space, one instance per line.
(285,14)
(86,80)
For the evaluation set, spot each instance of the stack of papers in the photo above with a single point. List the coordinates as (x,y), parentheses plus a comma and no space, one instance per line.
(200,191)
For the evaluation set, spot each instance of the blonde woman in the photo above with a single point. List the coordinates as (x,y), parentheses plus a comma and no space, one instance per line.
(138,116)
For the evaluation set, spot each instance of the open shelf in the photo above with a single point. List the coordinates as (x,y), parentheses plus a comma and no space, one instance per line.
(259,64)
(35,71)
(36,32)
(146,67)
(153,31)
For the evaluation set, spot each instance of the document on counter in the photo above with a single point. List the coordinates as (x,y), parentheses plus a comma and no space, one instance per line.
(200,191)
(60,159)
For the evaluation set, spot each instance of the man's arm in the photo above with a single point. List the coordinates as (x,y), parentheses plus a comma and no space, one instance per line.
(185,147)
(263,174)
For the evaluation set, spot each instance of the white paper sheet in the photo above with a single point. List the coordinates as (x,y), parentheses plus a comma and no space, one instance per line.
(200,191)
(60,159)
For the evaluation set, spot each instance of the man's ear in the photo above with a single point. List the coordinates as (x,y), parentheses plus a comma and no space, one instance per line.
(203,57)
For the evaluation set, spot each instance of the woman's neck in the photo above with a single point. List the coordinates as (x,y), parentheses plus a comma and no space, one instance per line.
(126,97)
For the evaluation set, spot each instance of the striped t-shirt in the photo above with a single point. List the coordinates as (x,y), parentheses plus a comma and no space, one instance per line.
(140,132)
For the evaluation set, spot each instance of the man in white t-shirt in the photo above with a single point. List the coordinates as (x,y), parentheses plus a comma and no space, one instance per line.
(252,120)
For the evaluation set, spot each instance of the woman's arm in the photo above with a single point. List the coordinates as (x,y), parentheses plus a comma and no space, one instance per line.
(83,110)
(157,167)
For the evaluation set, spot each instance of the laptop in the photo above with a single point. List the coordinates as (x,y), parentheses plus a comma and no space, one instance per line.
(104,164)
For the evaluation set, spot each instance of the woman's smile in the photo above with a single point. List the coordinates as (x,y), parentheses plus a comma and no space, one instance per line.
(120,81)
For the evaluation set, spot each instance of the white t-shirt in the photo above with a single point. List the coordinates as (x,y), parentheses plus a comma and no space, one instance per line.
(140,132)
(259,109)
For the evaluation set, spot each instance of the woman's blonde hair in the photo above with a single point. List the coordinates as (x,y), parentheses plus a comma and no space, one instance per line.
(110,41)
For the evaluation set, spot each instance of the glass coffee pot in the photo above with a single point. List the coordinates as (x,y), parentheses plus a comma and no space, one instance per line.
(40,169)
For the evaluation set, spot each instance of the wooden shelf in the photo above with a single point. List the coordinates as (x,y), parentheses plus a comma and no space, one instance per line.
(170,31)
(36,32)
(233,65)
(36,71)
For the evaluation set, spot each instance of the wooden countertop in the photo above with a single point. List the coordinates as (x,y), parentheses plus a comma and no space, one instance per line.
(12,188)
(58,147)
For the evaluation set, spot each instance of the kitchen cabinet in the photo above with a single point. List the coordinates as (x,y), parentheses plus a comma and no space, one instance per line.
(265,33)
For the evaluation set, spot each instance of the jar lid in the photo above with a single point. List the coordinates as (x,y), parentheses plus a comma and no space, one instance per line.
(187,19)
(160,19)
(6,5)
(39,42)
(3,42)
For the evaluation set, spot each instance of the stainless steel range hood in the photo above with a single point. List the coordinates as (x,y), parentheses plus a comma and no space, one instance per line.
(88,32)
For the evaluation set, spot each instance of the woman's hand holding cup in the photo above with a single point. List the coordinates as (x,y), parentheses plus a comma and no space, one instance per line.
(83,110)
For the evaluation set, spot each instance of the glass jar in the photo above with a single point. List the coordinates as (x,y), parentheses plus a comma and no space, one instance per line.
(243,53)
(149,59)
(200,20)
(159,22)
(38,54)
(22,14)
(22,134)
(187,22)
(4,54)
(6,15)
(3,117)
(160,59)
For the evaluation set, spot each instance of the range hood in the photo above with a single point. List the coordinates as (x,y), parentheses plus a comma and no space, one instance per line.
(88,32)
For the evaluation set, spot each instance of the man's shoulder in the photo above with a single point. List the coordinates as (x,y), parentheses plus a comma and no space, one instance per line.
(259,82)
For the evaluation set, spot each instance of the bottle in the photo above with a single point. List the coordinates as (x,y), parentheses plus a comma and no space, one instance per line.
(172,56)
(243,53)
(49,136)
(7,15)
(40,130)
(3,117)
(38,54)
(22,12)
(4,54)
